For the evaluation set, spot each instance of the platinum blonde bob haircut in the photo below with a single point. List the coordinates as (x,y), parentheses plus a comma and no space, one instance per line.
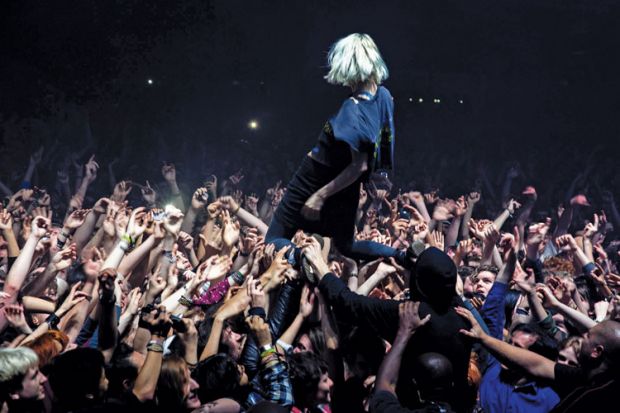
(15,362)
(355,59)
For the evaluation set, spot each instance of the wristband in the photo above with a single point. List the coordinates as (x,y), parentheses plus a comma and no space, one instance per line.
(185,302)
(155,347)
(52,321)
(267,353)
(266,348)
(237,277)
(285,346)
(127,238)
(123,245)
(169,256)
(237,210)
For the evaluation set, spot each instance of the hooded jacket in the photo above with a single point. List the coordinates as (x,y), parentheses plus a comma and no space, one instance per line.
(433,281)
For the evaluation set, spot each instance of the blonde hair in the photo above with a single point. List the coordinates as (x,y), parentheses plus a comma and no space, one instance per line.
(15,363)
(355,59)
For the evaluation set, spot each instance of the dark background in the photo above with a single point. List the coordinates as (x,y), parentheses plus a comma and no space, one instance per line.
(539,82)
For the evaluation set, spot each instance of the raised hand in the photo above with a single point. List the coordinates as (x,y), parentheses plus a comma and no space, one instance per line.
(74,298)
(148,194)
(36,157)
(230,230)
(409,318)
(437,240)
(461,207)
(229,203)
(251,203)
(476,332)
(137,223)
(121,190)
(64,258)
(306,304)
(76,219)
(431,197)
(536,233)
(313,253)
(173,220)
(101,206)
(444,210)
(185,241)
(215,268)
(236,177)
(260,329)
(547,297)
(249,240)
(6,220)
(90,170)
(40,226)
(76,202)
(473,198)
(200,198)
(256,293)
(567,240)
(513,205)
(14,314)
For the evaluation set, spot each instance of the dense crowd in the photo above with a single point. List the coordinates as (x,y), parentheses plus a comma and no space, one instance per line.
(161,299)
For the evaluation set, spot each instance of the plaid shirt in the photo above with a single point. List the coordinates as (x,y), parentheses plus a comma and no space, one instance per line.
(272,383)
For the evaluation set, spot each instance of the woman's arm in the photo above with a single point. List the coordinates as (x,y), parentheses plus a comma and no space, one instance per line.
(358,165)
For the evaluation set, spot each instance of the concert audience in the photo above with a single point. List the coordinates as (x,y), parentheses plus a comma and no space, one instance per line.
(146,296)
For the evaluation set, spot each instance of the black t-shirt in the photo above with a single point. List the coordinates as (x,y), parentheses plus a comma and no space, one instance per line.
(580,394)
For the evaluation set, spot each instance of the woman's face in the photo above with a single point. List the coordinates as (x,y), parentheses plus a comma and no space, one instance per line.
(189,391)
(568,356)
(323,394)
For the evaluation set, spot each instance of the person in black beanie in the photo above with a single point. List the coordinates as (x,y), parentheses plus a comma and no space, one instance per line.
(432,284)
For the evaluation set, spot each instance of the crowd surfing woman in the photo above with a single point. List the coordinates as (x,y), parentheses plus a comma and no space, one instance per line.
(324,193)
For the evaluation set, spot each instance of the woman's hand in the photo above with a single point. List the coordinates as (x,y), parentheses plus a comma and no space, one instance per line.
(312,208)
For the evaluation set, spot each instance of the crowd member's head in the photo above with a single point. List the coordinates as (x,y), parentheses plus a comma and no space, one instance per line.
(310,339)
(433,377)
(176,389)
(355,60)
(484,277)
(569,350)
(309,378)
(434,278)
(78,378)
(21,382)
(49,345)
(219,376)
(123,370)
(600,346)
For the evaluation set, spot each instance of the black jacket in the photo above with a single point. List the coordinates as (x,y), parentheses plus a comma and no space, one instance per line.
(435,291)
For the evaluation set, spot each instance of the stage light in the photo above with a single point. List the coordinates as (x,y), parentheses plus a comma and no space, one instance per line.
(420,100)
(410,99)
(437,100)
(149,81)
(253,124)
(461,101)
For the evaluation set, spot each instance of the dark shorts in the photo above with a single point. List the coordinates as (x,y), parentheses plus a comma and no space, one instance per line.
(338,212)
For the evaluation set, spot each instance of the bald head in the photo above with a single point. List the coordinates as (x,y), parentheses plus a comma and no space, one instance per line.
(607,334)
(433,375)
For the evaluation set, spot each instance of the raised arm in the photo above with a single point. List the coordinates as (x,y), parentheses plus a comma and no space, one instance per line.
(532,363)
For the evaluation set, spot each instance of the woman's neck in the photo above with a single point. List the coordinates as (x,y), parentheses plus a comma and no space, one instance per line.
(370,87)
